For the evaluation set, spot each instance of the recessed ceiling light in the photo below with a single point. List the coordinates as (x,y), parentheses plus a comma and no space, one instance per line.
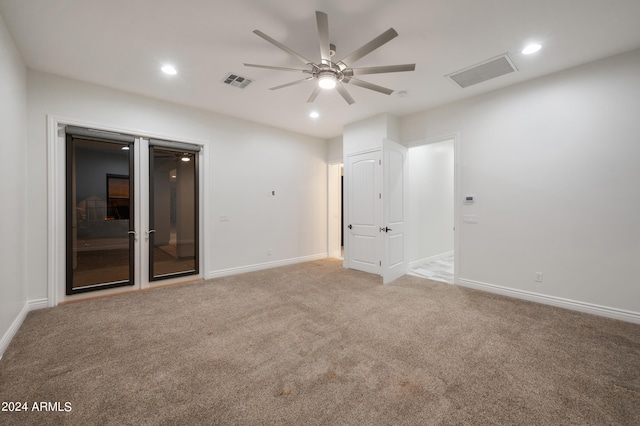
(314,114)
(531,48)
(169,69)
(125,148)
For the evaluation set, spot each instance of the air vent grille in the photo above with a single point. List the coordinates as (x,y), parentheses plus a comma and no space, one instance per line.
(236,81)
(483,71)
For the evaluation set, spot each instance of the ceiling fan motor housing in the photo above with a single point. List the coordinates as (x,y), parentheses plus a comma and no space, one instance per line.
(328,71)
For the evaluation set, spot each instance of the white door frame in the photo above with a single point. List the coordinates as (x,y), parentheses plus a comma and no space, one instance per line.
(56,212)
(457,203)
(334,198)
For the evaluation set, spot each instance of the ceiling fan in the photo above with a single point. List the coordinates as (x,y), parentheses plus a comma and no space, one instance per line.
(330,74)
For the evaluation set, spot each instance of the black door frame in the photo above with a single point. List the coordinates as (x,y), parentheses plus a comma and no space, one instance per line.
(179,148)
(76,133)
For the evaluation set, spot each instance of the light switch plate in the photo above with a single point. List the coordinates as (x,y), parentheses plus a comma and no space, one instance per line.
(473,219)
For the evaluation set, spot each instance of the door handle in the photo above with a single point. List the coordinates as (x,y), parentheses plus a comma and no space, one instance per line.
(385,229)
(134,233)
(350,226)
(149,232)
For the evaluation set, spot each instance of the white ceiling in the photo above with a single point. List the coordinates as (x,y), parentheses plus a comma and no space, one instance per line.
(123,43)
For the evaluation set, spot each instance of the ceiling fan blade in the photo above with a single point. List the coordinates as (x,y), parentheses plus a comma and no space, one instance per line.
(314,94)
(269,67)
(370,86)
(283,47)
(386,36)
(347,97)
(380,70)
(293,83)
(323,37)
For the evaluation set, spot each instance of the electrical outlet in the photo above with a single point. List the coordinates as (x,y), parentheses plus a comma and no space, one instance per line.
(538,277)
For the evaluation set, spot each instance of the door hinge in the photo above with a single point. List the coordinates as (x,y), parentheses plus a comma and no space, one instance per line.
(380,162)
(380,195)
(381,263)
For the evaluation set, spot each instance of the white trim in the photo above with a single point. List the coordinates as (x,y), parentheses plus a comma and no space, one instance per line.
(13,329)
(30,305)
(55,222)
(428,259)
(574,305)
(266,265)
(34,305)
(130,131)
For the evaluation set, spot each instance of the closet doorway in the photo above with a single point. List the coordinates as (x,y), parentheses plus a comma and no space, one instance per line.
(432,210)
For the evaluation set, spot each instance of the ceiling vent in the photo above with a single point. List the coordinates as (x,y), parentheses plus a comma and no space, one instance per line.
(483,71)
(237,81)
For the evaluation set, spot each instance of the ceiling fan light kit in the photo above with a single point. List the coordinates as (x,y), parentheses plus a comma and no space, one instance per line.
(327,81)
(330,74)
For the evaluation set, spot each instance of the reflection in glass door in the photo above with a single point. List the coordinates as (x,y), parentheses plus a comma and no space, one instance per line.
(100,226)
(173,211)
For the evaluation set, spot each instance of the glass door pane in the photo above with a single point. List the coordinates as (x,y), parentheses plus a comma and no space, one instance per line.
(100,225)
(173,213)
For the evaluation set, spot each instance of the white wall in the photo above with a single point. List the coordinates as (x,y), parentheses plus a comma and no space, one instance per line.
(368,134)
(430,214)
(13,110)
(334,150)
(245,162)
(554,165)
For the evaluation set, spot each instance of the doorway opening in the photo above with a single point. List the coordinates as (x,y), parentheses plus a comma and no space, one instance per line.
(335,211)
(432,210)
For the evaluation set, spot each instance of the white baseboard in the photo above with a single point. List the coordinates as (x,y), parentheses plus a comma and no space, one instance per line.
(428,259)
(30,305)
(37,304)
(266,265)
(589,308)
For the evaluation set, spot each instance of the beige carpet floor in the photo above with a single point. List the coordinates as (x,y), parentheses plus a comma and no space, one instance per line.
(315,344)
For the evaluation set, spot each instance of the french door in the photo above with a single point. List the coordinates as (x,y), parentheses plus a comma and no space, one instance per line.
(173,211)
(125,227)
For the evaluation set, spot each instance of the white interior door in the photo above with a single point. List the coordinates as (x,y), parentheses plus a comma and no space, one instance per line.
(364,177)
(394,206)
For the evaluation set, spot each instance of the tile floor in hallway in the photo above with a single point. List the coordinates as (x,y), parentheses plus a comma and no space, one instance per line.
(437,269)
